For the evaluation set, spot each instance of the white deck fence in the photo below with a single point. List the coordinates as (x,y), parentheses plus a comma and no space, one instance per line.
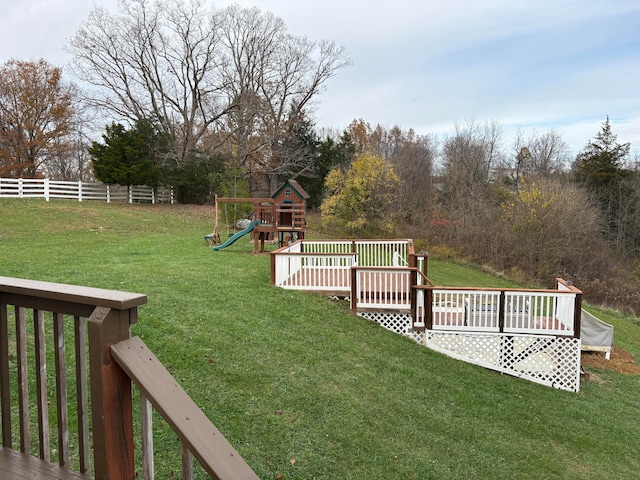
(549,312)
(533,334)
(371,253)
(81,191)
(383,288)
(326,265)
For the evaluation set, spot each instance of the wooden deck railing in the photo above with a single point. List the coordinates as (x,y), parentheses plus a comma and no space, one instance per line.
(533,334)
(386,275)
(56,319)
(540,312)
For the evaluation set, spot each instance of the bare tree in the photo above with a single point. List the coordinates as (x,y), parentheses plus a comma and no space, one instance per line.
(413,158)
(230,76)
(273,78)
(469,158)
(155,61)
(73,162)
(540,155)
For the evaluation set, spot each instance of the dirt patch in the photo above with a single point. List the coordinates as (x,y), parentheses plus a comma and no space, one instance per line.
(621,361)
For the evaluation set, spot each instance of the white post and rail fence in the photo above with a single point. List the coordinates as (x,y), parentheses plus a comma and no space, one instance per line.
(81,191)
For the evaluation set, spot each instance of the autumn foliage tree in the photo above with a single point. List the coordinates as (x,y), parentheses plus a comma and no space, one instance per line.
(549,229)
(413,158)
(360,200)
(36,117)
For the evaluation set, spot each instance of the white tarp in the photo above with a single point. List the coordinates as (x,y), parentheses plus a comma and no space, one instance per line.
(595,333)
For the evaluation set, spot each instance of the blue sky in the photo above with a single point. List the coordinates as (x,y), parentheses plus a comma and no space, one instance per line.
(427,65)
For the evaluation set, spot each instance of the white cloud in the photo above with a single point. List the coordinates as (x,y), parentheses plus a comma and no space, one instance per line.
(562,64)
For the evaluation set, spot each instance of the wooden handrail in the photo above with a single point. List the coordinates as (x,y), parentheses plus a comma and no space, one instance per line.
(98,297)
(195,430)
(109,314)
(104,318)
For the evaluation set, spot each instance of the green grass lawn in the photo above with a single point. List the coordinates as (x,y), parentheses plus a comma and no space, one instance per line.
(305,390)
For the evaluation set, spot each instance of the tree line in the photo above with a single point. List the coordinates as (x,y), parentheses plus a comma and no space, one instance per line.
(220,101)
(528,209)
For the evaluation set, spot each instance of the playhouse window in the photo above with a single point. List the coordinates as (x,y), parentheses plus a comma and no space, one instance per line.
(287,192)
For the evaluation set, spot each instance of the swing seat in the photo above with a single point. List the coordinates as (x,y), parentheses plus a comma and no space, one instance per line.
(213,238)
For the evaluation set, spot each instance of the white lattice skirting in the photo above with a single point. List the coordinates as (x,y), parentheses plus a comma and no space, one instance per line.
(548,360)
(395,321)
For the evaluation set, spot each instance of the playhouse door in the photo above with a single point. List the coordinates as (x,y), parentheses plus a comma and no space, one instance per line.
(286,215)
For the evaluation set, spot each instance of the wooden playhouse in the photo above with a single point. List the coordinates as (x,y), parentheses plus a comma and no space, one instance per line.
(281,218)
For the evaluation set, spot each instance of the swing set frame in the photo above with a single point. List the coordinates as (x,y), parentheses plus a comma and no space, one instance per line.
(214,237)
(279,218)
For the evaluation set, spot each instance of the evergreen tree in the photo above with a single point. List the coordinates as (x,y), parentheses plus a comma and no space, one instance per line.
(600,168)
(129,157)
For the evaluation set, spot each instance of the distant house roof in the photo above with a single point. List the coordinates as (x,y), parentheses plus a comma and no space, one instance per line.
(295,185)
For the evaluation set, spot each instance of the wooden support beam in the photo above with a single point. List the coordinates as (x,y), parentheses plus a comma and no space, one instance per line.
(5,387)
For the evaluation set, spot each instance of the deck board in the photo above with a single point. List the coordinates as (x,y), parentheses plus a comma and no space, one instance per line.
(15,465)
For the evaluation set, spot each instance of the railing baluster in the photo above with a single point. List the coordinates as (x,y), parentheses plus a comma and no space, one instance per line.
(148,469)
(82,397)
(61,389)
(23,381)
(5,387)
(187,462)
(41,384)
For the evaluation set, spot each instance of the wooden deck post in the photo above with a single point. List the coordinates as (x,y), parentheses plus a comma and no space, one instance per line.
(5,390)
(501,311)
(577,315)
(413,291)
(354,290)
(111,396)
(272,270)
(428,308)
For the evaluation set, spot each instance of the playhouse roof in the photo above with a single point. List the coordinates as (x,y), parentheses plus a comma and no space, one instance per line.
(296,186)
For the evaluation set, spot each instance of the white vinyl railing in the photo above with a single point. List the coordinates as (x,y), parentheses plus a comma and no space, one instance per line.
(382,288)
(524,311)
(332,266)
(325,264)
(470,310)
(81,191)
(371,253)
(315,271)
(382,253)
(326,246)
(548,312)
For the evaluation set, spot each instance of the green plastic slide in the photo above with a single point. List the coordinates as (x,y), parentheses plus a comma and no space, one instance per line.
(235,237)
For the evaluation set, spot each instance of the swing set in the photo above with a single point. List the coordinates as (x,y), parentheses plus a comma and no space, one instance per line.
(262,223)
(281,217)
